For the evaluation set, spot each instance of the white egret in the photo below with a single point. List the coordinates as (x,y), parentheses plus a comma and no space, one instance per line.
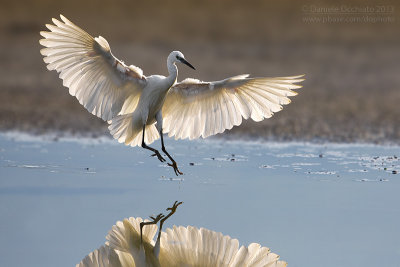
(126,245)
(141,108)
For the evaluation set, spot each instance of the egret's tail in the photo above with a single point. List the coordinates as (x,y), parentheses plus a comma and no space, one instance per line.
(127,129)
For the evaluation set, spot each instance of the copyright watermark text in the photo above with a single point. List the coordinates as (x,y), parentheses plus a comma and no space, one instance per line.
(348,14)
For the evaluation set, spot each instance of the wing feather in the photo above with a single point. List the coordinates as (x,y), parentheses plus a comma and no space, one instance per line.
(234,105)
(100,82)
(194,108)
(225,120)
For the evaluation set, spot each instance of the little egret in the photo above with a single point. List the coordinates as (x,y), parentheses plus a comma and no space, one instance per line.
(141,108)
(131,243)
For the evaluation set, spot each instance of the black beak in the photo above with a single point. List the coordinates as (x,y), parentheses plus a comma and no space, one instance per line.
(186,63)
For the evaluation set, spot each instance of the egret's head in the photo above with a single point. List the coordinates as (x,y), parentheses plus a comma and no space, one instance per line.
(177,56)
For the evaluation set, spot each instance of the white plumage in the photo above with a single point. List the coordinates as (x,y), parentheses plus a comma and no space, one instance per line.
(135,105)
(179,246)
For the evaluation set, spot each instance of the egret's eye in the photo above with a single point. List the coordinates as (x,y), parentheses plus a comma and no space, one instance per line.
(178,58)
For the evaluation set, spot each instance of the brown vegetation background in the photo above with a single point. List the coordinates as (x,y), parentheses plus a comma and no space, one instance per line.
(352,68)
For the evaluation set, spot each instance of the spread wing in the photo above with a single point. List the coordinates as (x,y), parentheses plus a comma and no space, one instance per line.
(194,108)
(104,85)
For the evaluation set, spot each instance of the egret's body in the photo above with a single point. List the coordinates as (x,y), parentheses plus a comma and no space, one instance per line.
(140,109)
(153,95)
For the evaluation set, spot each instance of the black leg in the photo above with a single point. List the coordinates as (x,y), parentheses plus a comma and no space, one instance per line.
(164,218)
(173,164)
(156,153)
(154,221)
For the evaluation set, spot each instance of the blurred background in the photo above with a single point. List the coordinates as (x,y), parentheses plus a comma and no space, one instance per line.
(349,52)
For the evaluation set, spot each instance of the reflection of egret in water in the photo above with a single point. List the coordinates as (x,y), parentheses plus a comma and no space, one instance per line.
(131,243)
(141,108)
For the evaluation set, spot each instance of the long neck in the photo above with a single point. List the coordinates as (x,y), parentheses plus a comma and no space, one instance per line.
(173,72)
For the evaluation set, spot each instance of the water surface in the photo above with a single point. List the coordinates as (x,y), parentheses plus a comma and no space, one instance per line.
(314,205)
